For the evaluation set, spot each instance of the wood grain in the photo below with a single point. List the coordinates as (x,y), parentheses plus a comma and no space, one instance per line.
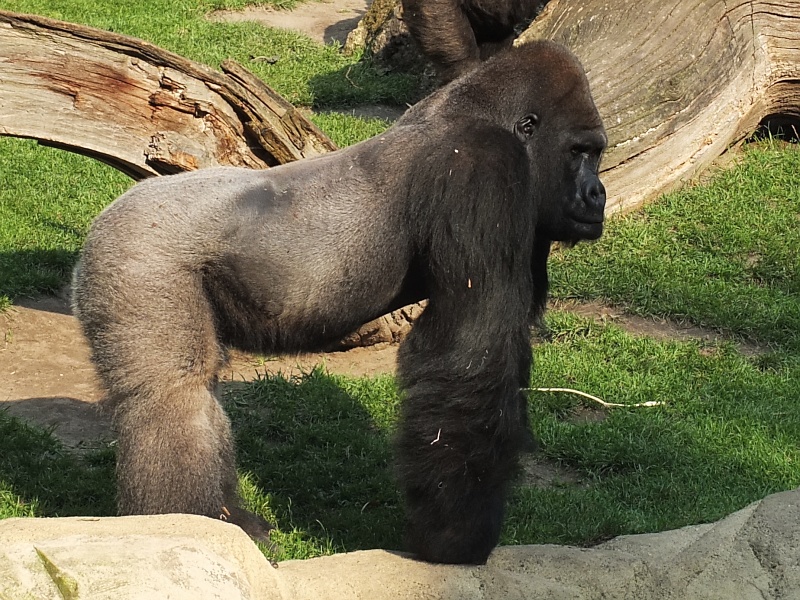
(140,108)
(677,82)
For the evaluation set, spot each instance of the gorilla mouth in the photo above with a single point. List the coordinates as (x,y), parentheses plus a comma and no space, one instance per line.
(589,219)
(588,227)
(592,218)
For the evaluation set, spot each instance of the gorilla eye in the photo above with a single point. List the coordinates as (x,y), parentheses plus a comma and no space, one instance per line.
(578,150)
(525,127)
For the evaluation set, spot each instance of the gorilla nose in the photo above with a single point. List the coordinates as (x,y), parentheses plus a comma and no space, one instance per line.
(594,194)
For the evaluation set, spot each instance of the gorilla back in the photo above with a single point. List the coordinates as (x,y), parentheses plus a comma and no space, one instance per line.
(457,202)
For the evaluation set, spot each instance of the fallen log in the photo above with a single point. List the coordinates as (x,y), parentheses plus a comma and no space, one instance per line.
(138,107)
(678,82)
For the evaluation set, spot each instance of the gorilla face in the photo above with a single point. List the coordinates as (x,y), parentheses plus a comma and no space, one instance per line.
(573,202)
(565,139)
(584,195)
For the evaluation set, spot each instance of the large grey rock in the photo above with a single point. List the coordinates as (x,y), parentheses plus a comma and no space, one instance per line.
(753,553)
(166,556)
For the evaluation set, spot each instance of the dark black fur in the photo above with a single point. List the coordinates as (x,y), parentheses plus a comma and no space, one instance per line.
(458,202)
(456,35)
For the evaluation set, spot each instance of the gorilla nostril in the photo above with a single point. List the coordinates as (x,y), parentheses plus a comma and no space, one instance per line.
(594,194)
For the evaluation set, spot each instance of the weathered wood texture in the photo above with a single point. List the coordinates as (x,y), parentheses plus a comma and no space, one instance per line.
(678,81)
(138,107)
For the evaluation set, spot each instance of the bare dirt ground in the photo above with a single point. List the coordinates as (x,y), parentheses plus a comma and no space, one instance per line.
(659,329)
(324,21)
(48,379)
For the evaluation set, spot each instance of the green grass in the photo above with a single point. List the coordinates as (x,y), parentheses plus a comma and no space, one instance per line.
(306,73)
(241,4)
(346,130)
(721,255)
(319,444)
(314,451)
(38,477)
(48,199)
(725,435)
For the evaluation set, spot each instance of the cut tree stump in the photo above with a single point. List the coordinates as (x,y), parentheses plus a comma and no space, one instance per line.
(138,107)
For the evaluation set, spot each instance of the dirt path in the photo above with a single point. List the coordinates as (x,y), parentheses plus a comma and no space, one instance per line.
(653,327)
(324,21)
(47,378)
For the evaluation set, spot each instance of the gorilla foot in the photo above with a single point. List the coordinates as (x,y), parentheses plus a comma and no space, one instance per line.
(253,525)
(256,527)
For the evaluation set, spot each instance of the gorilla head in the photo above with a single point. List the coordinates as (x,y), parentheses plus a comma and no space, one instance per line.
(457,202)
(573,198)
(554,118)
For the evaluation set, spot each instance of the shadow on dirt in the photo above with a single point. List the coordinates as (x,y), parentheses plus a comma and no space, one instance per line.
(78,424)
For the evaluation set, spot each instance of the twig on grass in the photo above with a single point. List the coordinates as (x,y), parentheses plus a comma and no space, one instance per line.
(595,398)
(347,76)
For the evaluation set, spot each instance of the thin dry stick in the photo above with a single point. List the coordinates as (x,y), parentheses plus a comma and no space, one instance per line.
(595,398)
(347,76)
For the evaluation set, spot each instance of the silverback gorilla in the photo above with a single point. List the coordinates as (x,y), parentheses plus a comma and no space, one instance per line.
(458,202)
(456,35)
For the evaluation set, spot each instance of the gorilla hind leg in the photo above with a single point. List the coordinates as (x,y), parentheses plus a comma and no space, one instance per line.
(157,352)
(176,455)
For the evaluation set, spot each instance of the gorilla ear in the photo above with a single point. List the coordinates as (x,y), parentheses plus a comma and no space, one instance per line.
(526,126)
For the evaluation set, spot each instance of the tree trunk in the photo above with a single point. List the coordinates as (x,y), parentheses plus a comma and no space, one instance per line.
(677,82)
(137,107)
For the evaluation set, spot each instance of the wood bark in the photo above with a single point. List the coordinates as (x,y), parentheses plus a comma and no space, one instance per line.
(678,82)
(138,107)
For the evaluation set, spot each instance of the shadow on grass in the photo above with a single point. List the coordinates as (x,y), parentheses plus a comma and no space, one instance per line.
(310,443)
(364,83)
(79,424)
(46,479)
(319,446)
(35,272)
